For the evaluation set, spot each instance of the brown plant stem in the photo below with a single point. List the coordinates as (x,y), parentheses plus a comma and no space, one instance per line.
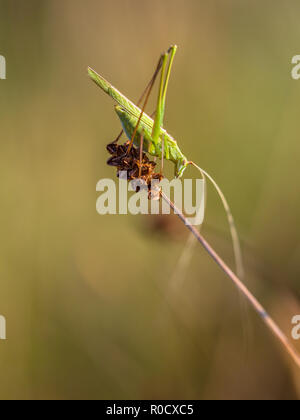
(268,320)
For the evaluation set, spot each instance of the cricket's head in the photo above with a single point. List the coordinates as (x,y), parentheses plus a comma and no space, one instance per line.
(180,167)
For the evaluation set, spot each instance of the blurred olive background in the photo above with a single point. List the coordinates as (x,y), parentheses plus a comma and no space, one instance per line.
(92,305)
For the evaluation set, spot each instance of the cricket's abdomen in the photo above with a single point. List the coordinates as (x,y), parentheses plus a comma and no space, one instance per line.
(171,149)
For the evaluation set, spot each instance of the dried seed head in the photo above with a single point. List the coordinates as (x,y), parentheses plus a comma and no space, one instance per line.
(137,166)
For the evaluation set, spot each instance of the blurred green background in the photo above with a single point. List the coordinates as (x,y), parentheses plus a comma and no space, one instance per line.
(90,302)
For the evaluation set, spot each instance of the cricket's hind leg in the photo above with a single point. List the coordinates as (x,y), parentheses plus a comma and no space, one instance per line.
(146,94)
(111,146)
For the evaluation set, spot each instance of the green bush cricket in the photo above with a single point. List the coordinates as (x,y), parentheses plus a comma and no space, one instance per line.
(136,123)
(141,129)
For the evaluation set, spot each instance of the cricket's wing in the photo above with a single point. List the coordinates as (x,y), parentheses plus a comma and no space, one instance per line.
(129,106)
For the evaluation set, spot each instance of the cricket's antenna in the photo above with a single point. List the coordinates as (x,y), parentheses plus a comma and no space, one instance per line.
(233,230)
